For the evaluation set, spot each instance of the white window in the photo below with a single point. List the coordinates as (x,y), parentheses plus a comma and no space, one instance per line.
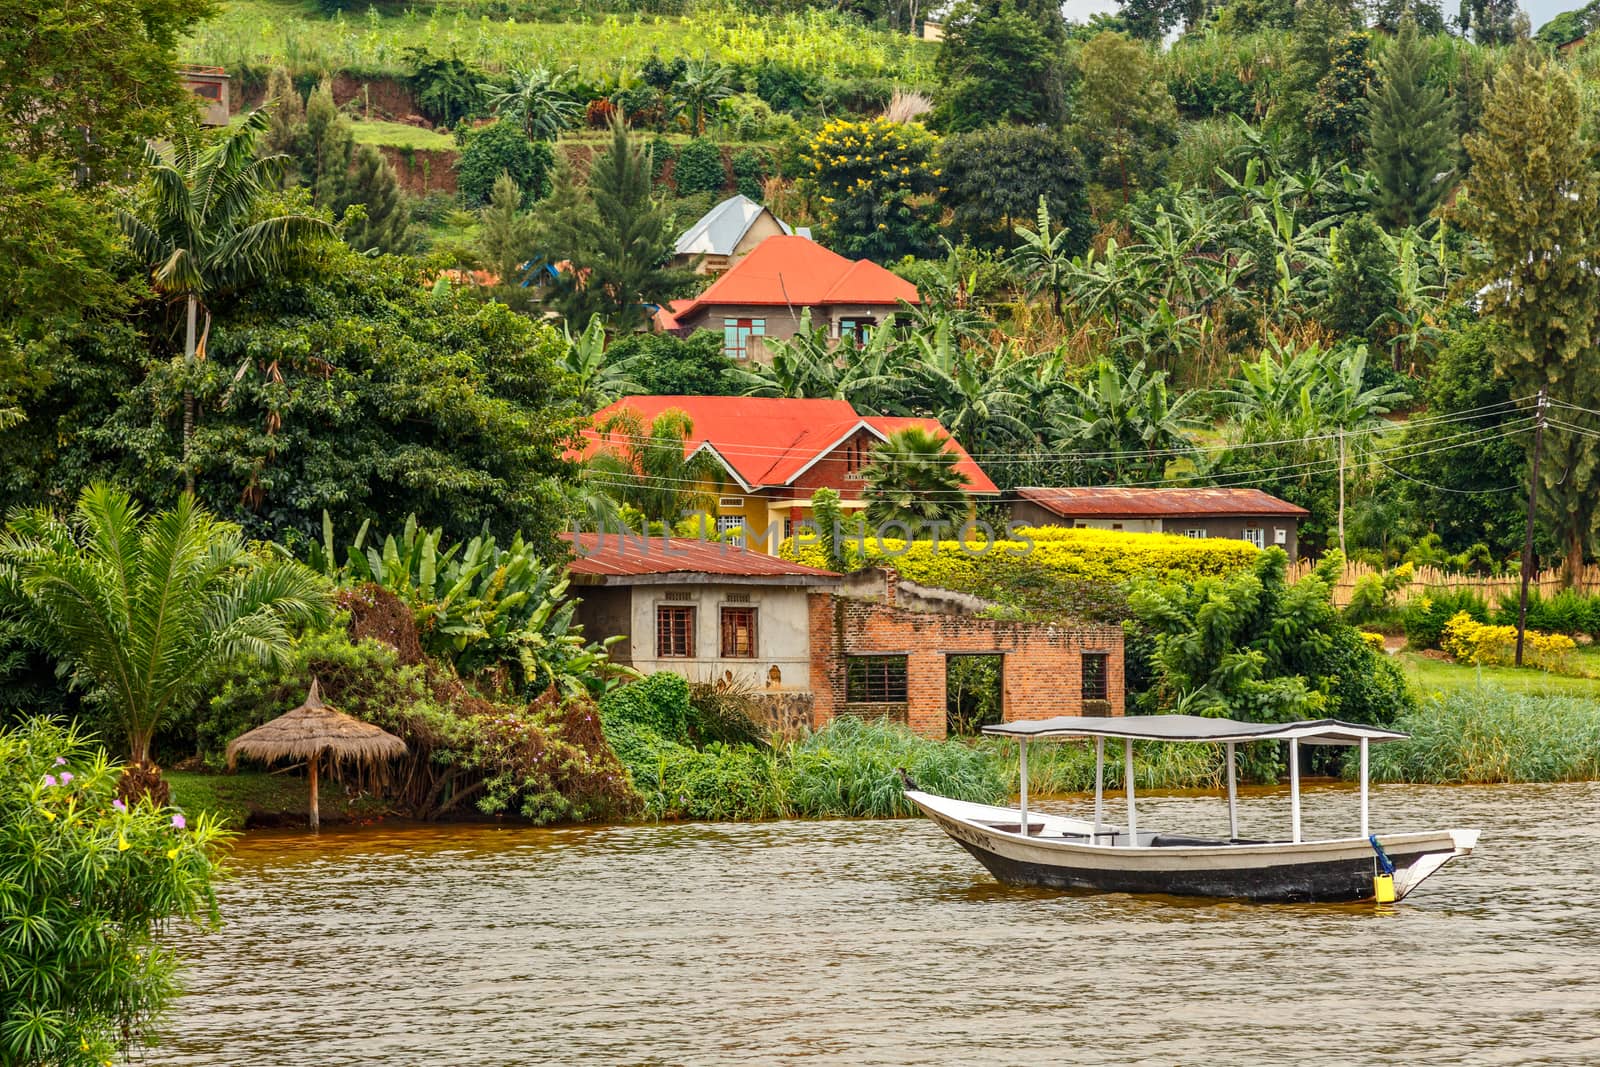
(729,522)
(1280,536)
(1256,537)
(1196,532)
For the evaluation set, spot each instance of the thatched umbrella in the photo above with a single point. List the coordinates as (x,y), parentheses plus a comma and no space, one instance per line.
(310,731)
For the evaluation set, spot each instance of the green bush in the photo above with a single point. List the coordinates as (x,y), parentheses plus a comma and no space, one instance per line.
(88,884)
(1486,734)
(750,169)
(699,169)
(501,148)
(661,153)
(1568,612)
(546,761)
(1426,615)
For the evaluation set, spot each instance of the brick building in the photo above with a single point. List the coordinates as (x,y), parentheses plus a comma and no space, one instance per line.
(878,657)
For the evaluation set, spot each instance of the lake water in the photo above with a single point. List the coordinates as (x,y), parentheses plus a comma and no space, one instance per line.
(884,943)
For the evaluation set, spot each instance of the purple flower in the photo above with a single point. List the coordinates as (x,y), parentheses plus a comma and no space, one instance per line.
(49,781)
(179,821)
(66,776)
(119,805)
(61,761)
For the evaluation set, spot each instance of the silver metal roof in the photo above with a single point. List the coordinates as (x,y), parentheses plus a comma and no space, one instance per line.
(720,230)
(1185,728)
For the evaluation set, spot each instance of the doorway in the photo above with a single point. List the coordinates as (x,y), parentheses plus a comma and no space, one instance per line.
(974,692)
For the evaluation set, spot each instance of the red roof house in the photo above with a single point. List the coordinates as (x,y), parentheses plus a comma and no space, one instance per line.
(765,293)
(776,452)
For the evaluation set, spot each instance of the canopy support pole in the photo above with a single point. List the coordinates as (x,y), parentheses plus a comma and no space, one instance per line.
(1294,786)
(1127,774)
(1233,797)
(1364,830)
(1022,748)
(316,823)
(1099,787)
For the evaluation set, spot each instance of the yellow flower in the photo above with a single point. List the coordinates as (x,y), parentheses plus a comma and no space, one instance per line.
(172,853)
(50,815)
(122,843)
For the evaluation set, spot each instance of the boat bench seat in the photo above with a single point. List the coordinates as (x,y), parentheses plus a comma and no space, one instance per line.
(1169,840)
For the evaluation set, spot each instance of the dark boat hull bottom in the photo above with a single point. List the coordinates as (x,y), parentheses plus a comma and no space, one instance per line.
(1336,881)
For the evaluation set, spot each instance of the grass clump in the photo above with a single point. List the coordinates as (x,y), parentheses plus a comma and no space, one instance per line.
(849,768)
(1489,735)
(1068,767)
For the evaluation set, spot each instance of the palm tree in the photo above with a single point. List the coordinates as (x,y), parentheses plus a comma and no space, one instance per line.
(913,479)
(536,102)
(144,611)
(704,84)
(202,229)
(1042,258)
(645,467)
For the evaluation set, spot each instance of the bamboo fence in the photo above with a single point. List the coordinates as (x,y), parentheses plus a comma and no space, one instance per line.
(1490,588)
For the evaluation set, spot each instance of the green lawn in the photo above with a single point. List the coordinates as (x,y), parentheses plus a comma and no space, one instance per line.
(1438,676)
(292,33)
(399,135)
(275,798)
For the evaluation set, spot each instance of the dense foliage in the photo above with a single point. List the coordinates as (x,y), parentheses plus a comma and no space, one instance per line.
(1484,735)
(89,883)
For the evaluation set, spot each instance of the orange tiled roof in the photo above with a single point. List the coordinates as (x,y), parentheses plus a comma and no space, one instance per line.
(797,271)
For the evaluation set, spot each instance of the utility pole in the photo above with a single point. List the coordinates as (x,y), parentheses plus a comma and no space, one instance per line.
(1527,543)
(1341,494)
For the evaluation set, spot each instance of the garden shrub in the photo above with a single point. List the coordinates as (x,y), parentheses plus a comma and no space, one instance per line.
(699,169)
(1426,615)
(661,153)
(1568,612)
(501,148)
(750,168)
(1373,641)
(88,884)
(1486,734)
(1373,596)
(1056,554)
(546,760)
(1471,641)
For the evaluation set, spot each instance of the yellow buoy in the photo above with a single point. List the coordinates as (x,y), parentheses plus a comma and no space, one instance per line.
(1383,888)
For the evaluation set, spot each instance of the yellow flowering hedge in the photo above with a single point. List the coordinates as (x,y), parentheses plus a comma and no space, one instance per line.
(1011,569)
(1471,641)
(1373,641)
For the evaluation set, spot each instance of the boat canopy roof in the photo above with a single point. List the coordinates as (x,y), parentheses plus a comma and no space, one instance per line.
(1194,728)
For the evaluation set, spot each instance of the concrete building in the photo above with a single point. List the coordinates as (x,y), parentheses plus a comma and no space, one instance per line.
(709,611)
(776,452)
(1245,514)
(210,88)
(767,292)
(723,236)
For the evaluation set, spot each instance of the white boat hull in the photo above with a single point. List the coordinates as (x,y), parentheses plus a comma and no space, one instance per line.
(1061,853)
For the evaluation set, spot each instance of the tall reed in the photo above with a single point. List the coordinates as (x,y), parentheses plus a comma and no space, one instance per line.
(1486,734)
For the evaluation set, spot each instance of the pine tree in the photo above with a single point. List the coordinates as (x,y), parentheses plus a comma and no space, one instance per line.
(618,237)
(287,116)
(1362,286)
(1411,136)
(506,236)
(1533,201)
(327,145)
(385,224)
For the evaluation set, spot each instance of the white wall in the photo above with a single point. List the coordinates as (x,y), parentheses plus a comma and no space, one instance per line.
(783,638)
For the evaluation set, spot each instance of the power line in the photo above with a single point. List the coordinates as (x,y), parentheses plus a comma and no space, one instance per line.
(1227,481)
(758,451)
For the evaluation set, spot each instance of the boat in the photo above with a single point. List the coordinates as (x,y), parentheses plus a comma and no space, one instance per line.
(1026,848)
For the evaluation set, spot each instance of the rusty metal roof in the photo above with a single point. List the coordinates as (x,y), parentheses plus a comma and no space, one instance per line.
(1076,502)
(618,559)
